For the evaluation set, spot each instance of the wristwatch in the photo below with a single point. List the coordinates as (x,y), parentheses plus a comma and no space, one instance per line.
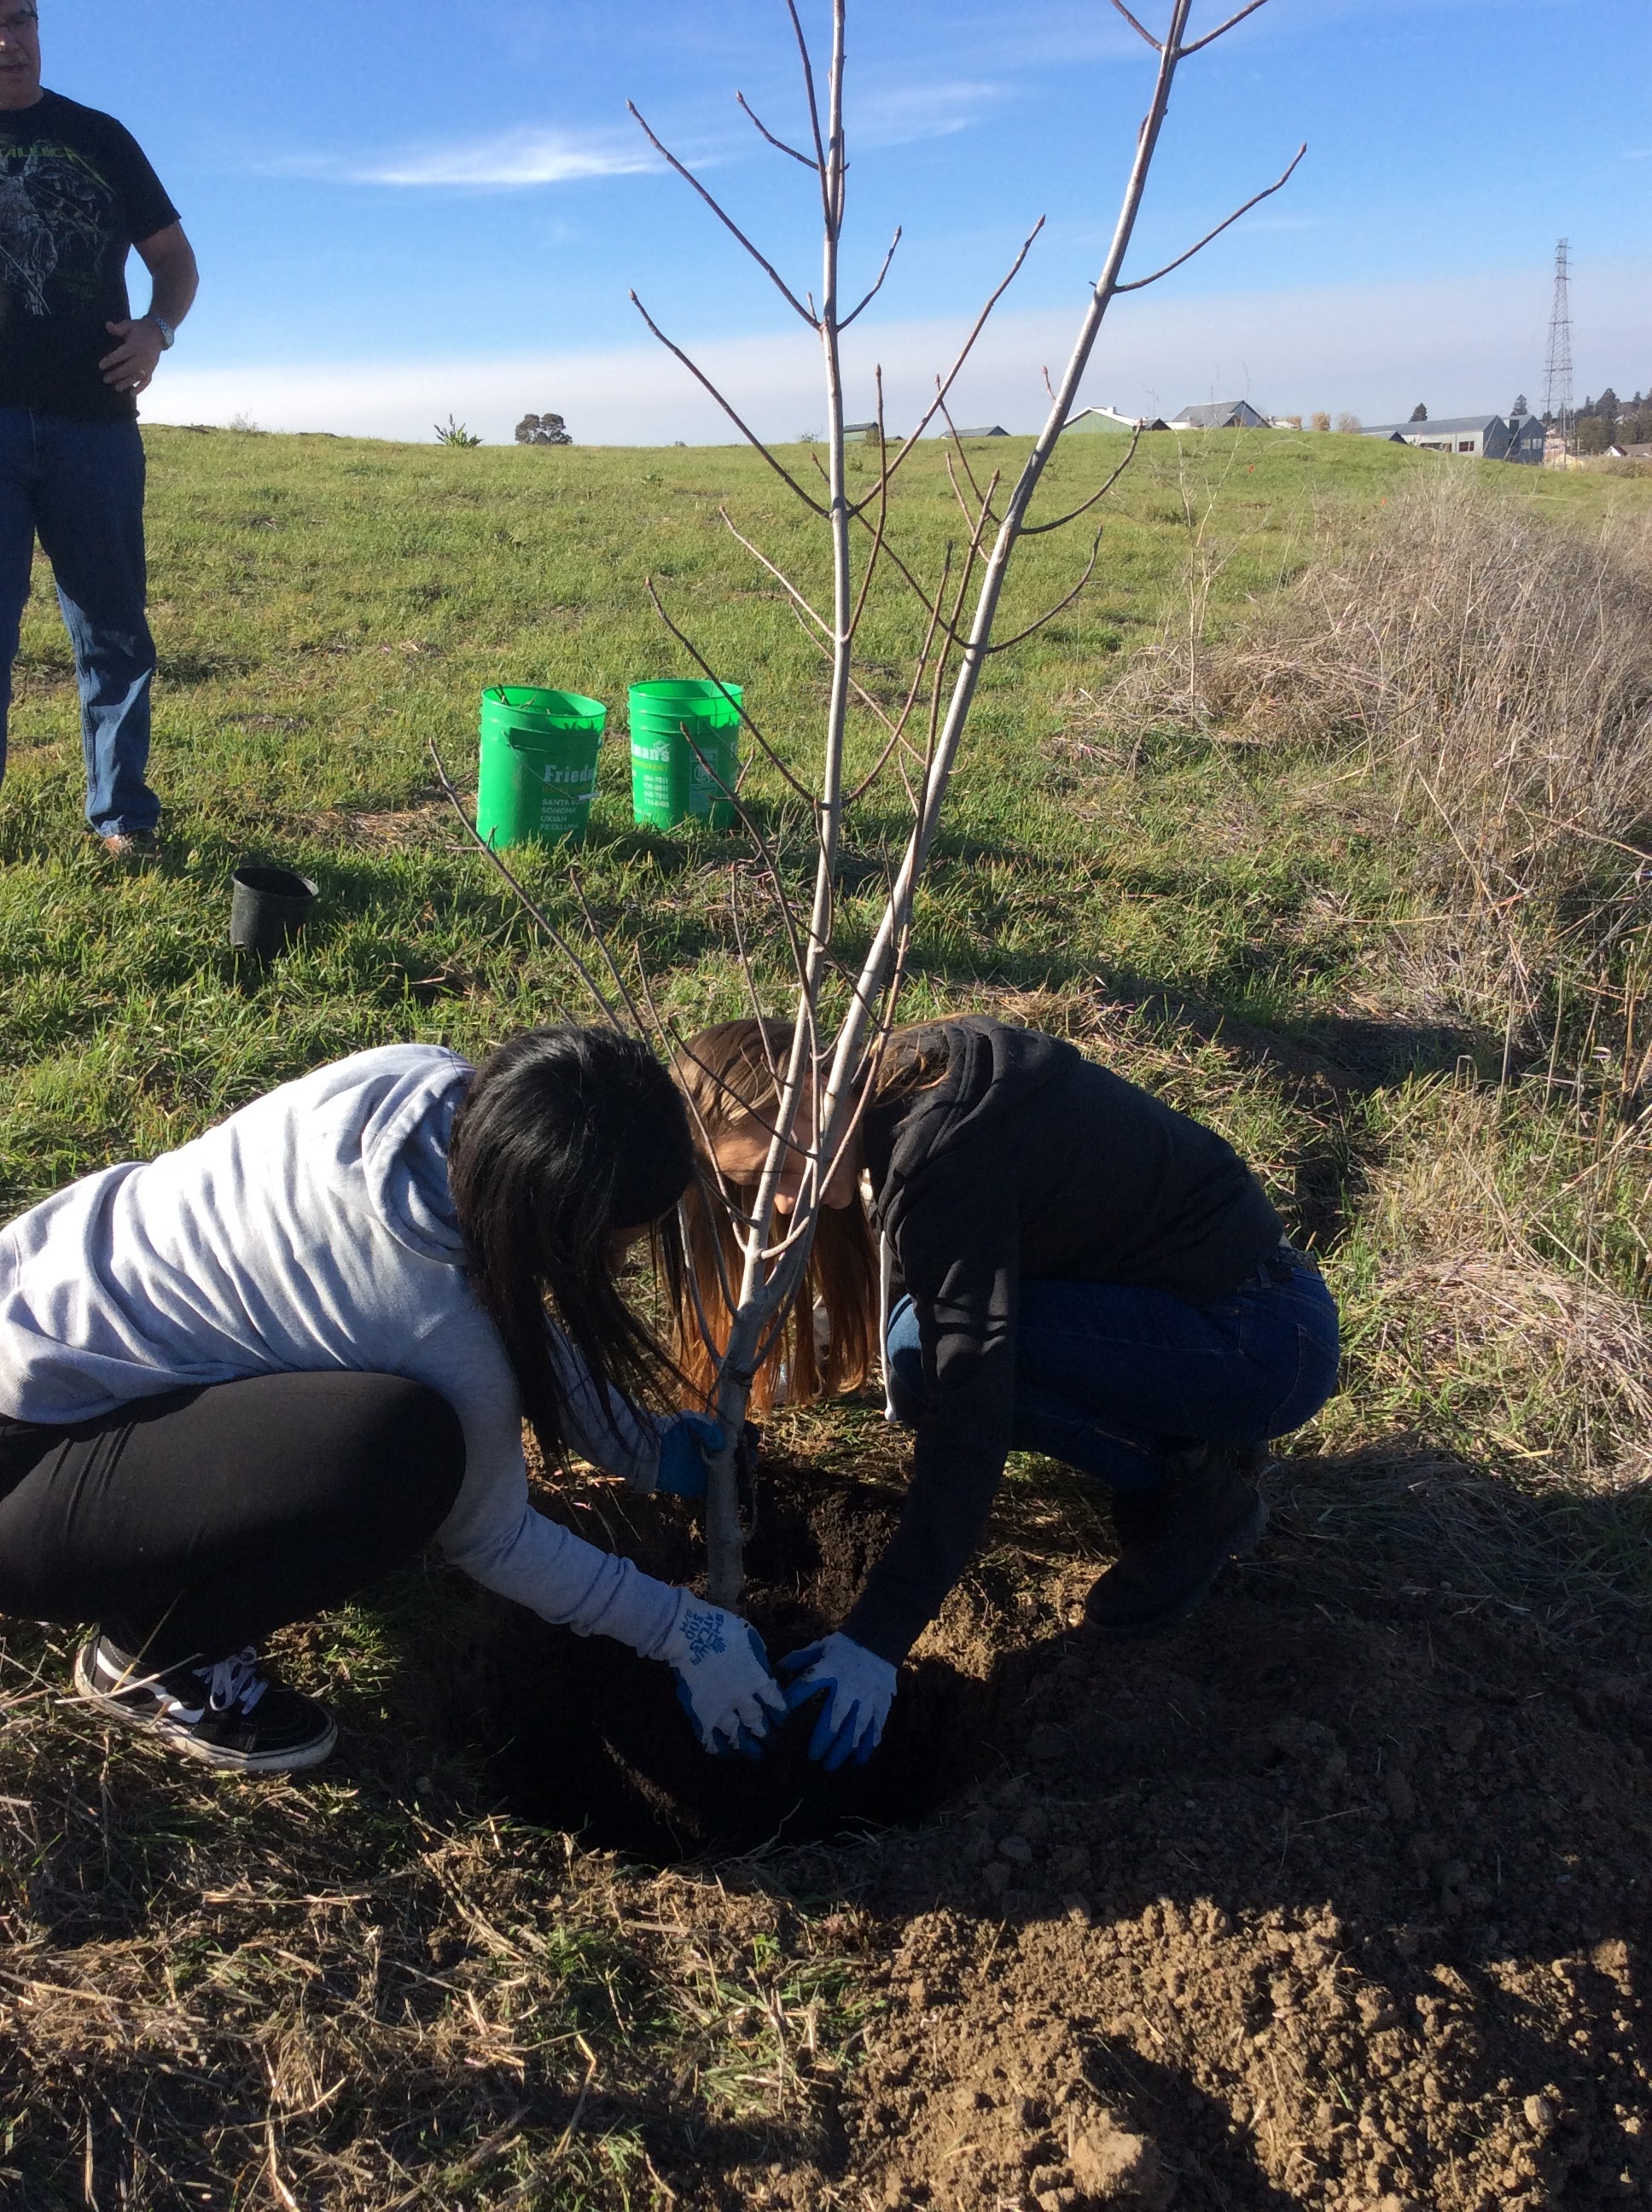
(168,335)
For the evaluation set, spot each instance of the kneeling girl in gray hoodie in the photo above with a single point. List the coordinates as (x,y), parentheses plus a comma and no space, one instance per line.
(240,1382)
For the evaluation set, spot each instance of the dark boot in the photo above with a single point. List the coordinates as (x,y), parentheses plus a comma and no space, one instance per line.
(1175,1540)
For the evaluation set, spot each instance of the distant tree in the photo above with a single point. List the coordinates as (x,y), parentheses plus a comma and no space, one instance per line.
(1594,433)
(1349,424)
(1419,413)
(543,431)
(455,433)
(1291,421)
(1319,420)
(1520,406)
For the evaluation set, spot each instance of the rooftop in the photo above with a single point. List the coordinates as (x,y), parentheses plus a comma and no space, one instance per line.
(1452,422)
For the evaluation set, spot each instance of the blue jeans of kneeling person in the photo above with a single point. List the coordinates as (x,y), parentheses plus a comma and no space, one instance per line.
(1105,1374)
(80,487)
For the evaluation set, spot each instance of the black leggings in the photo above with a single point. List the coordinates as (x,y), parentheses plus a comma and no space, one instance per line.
(188,1525)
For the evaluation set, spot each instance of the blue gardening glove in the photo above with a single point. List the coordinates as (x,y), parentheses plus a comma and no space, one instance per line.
(723,1682)
(859,1690)
(683,1443)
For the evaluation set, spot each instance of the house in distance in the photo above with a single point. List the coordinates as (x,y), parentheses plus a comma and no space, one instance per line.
(1220,415)
(1481,437)
(1090,420)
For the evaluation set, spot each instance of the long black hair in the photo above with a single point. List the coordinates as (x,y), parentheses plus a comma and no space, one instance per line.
(565,1137)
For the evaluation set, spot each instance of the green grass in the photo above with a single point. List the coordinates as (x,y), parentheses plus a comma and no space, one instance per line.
(1225,923)
(325,608)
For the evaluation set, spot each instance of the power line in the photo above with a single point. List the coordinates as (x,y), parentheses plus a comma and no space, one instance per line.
(1557,406)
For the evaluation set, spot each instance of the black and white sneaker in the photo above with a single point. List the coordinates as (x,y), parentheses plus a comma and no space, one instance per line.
(230,1715)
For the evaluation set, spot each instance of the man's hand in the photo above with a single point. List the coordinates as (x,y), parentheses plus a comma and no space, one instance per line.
(131,366)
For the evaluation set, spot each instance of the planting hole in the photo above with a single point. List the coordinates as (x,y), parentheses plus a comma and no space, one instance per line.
(592,1740)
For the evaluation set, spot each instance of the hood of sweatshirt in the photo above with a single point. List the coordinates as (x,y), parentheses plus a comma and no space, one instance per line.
(992,1069)
(402,1139)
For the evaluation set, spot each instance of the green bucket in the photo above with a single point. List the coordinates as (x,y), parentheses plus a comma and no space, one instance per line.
(539,752)
(685,752)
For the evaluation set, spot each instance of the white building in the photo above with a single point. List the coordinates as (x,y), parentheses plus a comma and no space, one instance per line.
(1481,437)
(1109,421)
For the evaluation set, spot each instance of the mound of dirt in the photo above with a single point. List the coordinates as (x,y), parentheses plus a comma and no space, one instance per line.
(1338,1897)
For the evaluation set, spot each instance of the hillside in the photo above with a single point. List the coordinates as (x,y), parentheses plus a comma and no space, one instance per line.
(1337,1899)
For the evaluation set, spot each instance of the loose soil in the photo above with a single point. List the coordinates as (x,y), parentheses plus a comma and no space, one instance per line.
(1338,1896)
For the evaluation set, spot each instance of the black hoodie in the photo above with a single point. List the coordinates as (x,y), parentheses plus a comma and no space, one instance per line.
(1025,1160)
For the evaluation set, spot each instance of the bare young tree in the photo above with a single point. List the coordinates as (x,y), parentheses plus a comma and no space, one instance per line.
(820,1080)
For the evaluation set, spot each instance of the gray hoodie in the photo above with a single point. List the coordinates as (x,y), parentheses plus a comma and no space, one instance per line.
(314,1229)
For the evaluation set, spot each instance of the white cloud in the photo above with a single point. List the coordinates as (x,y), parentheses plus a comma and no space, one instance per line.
(898,115)
(1458,342)
(509,159)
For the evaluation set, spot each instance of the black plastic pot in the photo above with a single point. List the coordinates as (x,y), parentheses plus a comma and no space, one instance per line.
(267,908)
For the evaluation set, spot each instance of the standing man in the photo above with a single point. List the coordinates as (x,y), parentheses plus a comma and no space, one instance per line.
(76,195)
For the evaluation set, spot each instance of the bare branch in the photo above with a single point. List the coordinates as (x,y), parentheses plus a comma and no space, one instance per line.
(809,94)
(964,351)
(1022,635)
(873,707)
(1039,529)
(609,962)
(1140,27)
(779,144)
(450,794)
(1141,283)
(706,668)
(749,435)
(707,1334)
(844,320)
(778,574)
(725,219)
(883,515)
(958,492)
(770,860)
(748,972)
(897,728)
(1220,32)
(964,458)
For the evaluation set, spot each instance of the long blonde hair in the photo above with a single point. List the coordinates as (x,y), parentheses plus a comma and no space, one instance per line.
(727,1073)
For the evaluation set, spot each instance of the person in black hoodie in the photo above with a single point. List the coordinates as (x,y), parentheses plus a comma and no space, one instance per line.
(1082,1272)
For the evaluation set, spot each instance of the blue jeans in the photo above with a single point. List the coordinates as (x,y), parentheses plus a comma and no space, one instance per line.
(80,486)
(1106,1375)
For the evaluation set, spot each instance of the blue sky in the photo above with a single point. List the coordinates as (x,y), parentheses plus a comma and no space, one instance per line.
(405,209)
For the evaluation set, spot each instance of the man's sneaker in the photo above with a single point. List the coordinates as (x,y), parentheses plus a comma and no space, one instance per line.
(1176,1539)
(230,1715)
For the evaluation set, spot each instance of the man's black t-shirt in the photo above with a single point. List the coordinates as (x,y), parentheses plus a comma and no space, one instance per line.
(76,191)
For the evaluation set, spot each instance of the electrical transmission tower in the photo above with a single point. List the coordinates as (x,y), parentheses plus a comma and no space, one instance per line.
(1557,388)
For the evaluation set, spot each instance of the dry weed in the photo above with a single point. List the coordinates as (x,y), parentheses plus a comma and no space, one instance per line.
(1493,672)
(1481,1291)
(334,1992)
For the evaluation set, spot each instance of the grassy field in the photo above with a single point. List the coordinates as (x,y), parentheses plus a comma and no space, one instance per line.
(1236,910)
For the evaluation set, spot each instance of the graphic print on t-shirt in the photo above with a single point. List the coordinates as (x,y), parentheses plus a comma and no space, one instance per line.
(76,191)
(55,214)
